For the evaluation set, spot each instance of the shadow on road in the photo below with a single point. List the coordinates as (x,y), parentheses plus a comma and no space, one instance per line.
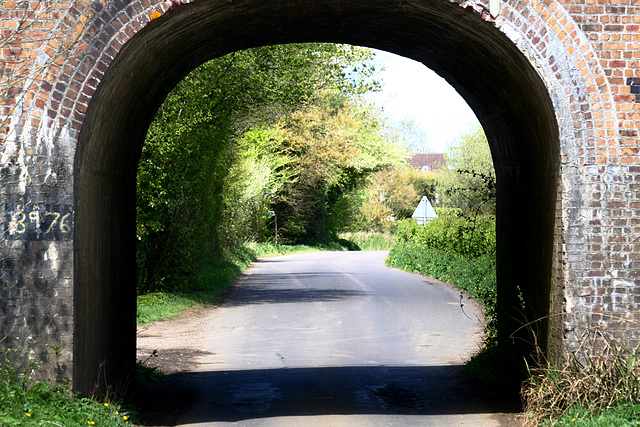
(249,394)
(269,289)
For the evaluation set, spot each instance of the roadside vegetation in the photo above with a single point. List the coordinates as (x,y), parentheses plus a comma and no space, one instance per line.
(598,385)
(25,401)
(262,152)
(268,146)
(459,246)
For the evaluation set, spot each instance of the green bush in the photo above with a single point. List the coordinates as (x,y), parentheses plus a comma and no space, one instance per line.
(470,237)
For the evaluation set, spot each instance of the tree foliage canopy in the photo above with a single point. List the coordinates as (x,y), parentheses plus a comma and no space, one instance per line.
(337,146)
(468,182)
(270,128)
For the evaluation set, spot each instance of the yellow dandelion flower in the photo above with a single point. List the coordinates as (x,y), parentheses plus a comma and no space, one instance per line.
(125,418)
(27,414)
(91,423)
(106,405)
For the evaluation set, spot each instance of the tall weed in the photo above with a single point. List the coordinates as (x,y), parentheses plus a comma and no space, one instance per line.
(600,376)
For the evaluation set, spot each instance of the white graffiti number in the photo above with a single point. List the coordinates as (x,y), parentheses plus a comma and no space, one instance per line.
(38,220)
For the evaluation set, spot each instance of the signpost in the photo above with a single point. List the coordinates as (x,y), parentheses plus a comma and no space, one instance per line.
(273,214)
(424,212)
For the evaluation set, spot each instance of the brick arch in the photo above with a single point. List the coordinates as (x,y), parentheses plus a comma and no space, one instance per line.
(579,88)
(576,126)
(458,41)
(598,153)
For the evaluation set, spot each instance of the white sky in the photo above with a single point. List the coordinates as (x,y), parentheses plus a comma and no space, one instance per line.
(412,91)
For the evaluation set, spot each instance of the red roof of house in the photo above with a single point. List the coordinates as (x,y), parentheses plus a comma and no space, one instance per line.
(427,161)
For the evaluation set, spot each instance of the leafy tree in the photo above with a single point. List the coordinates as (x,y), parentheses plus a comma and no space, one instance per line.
(261,171)
(468,182)
(410,133)
(177,181)
(215,152)
(390,195)
(337,145)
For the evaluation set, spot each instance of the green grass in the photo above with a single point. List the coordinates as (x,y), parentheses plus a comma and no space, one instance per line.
(370,240)
(157,306)
(618,416)
(24,401)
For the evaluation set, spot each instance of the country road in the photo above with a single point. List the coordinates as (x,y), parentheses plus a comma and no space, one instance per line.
(324,339)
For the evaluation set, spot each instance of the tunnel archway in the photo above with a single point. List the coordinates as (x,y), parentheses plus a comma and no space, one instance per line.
(498,82)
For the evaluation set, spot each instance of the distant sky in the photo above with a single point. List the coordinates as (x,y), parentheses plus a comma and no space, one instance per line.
(412,91)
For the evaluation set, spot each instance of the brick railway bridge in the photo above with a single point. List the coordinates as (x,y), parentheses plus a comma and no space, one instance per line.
(555,84)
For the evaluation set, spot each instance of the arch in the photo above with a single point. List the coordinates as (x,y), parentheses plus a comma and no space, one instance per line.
(459,42)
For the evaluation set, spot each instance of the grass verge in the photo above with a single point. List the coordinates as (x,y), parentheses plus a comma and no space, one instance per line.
(370,240)
(24,401)
(618,416)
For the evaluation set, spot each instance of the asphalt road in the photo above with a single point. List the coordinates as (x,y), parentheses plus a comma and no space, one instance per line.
(337,339)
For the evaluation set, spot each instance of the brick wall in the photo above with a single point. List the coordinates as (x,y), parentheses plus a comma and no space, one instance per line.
(605,293)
